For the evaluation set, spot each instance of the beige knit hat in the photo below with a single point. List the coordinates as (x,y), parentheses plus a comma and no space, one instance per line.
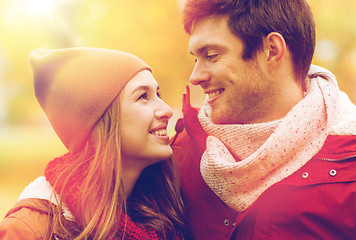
(75,86)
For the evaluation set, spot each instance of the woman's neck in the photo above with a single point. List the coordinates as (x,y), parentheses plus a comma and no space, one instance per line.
(129,179)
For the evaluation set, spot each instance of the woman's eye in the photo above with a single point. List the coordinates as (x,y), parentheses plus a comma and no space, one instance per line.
(159,95)
(143,96)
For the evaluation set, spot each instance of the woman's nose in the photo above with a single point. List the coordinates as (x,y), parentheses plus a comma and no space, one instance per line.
(164,111)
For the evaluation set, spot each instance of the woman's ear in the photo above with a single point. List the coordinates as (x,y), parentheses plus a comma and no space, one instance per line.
(275,47)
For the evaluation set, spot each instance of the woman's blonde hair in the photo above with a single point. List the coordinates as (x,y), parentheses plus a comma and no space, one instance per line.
(155,201)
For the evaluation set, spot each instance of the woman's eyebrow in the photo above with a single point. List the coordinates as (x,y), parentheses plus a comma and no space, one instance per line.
(142,87)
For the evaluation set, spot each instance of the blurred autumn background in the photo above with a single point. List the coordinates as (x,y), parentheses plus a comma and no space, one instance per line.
(150,29)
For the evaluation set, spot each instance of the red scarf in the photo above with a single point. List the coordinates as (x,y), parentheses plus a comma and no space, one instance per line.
(71,192)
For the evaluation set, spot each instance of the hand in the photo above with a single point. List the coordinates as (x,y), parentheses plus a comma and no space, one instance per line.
(186,99)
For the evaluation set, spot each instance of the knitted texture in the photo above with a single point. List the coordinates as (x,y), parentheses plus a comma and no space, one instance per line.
(285,146)
(75,86)
(131,231)
(127,228)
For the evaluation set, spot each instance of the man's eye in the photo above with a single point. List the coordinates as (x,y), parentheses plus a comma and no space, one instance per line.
(211,57)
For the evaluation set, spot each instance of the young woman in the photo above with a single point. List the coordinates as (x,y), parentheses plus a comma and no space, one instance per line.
(118,179)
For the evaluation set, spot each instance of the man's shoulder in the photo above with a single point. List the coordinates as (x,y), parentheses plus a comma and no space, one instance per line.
(338,147)
(345,119)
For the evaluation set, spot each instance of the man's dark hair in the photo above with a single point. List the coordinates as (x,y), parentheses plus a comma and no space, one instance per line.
(252,20)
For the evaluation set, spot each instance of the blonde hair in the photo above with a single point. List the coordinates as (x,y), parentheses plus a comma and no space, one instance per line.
(155,201)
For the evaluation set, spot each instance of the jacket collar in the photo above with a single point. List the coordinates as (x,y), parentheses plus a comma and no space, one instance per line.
(40,188)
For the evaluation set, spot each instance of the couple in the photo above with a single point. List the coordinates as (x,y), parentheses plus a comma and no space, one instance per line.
(270,155)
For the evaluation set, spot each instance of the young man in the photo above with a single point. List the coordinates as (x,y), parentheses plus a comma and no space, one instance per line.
(272,153)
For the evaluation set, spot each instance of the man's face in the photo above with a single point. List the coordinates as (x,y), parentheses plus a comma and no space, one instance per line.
(238,90)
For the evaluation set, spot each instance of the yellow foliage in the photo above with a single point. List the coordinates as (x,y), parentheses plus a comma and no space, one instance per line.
(151,29)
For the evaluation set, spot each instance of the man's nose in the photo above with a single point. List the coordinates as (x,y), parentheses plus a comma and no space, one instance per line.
(200,74)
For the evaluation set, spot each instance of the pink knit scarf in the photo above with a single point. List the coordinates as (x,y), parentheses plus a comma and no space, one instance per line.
(269,152)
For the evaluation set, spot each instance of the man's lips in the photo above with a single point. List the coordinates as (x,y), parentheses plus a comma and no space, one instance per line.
(214,93)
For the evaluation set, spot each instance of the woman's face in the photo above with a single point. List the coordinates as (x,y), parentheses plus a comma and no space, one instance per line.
(143,122)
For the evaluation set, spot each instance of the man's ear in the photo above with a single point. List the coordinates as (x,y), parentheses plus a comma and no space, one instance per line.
(275,47)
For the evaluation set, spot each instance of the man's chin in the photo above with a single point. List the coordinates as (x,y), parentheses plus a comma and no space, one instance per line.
(221,118)
(217,118)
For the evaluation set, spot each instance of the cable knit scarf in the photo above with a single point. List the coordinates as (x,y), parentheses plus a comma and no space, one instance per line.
(269,152)
(127,227)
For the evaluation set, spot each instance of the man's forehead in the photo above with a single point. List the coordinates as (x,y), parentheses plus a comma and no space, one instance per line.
(208,23)
(206,33)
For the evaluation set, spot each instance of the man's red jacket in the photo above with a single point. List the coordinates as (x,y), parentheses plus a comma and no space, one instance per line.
(316,202)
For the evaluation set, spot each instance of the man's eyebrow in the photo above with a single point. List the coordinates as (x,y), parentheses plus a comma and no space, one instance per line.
(203,48)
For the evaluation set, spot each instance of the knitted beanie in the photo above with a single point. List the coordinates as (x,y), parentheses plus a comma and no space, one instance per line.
(75,86)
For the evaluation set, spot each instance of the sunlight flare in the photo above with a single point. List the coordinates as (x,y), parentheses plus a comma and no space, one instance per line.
(42,6)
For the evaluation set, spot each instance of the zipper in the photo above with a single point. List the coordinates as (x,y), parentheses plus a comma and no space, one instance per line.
(339,159)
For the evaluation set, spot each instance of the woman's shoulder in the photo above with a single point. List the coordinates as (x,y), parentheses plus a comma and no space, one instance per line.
(28,219)
(40,188)
(33,213)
